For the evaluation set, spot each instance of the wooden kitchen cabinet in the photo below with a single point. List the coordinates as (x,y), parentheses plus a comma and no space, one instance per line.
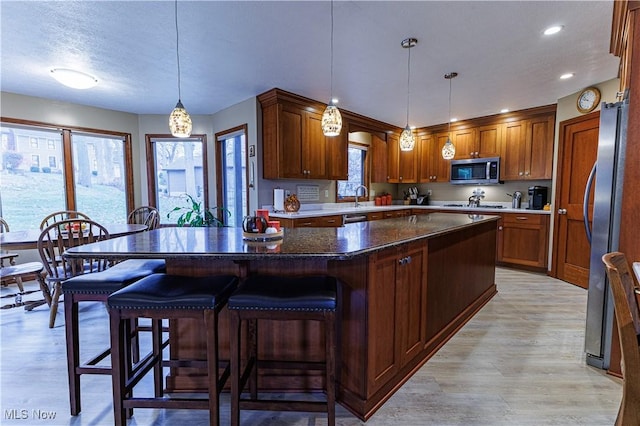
(431,166)
(402,165)
(332,221)
(523,239)
(379,159)
(396,328)
(527,149)
(294,146)
(465,141)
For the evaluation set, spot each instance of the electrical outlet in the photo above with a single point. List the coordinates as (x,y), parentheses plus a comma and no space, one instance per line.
(287,193)
(429,192)
(326,193)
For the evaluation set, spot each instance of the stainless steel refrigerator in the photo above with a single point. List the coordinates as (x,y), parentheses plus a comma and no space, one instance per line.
(604,233)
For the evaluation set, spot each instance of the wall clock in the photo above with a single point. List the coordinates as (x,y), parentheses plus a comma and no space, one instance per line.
(588,99)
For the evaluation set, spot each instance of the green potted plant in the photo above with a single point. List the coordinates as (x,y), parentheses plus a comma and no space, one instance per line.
(195,215)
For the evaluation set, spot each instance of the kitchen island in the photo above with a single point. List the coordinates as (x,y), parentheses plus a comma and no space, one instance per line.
(407,285)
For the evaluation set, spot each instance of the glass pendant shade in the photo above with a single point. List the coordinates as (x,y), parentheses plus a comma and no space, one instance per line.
(407,142)
(331,121)
(180,122)
(448,150)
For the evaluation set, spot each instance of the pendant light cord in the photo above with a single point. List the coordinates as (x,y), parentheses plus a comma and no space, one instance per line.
(450,78)
(408,79)
(178,50)
(331,72)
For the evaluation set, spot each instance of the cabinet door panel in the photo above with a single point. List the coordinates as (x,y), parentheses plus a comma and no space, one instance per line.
(379,160)
(465,142)
(315,147)
(440,168)
(539,158)
(337,156)
(411,310)
(512,153)
(424,146)
(291,142)
(382,355)
(489,140)
(393,144)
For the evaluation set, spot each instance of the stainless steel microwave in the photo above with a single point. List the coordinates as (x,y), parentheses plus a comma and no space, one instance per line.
(476,171)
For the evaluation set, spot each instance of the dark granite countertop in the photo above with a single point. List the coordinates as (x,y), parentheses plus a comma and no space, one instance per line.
(299,243)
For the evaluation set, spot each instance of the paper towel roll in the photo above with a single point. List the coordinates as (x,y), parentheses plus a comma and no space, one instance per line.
(278,200)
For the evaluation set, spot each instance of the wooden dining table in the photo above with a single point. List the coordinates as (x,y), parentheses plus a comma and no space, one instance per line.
(26,240)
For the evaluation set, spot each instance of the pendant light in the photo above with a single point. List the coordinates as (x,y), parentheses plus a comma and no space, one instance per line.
(449,149)
(179,120)
(407,141)
(331,118)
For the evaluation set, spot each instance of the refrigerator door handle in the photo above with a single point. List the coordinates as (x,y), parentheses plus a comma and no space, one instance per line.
(585,203)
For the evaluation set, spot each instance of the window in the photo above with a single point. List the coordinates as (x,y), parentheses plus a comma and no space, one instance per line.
(177,167)
(98,176)
(34,183)
(358,173)
(231,168)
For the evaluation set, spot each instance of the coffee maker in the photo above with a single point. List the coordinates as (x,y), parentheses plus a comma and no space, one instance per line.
(537,197)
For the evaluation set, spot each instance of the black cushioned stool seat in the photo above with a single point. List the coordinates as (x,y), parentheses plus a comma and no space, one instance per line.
(96,287)
(162,296)
(282,299)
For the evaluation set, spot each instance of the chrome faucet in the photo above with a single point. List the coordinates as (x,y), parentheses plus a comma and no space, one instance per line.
(365,193)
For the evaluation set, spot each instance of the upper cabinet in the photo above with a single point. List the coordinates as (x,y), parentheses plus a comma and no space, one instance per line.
(379,159)
(294,146)
(431,166)
(402,165)
(527,149)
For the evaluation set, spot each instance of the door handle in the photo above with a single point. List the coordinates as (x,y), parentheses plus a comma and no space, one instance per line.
(562,211)
(585,202)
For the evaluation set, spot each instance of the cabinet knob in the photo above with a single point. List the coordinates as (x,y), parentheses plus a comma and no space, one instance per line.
(499,228)
(400,177)
(520,174)
(562,211)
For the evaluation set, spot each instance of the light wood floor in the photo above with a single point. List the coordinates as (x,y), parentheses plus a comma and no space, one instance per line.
(519,361)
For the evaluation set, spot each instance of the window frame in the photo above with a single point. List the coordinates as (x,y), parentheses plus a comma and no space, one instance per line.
(151,168)
(367,175)
(67,156)
(220,181)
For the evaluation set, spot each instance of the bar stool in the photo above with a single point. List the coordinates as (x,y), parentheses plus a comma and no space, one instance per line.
(162,296)
(282,299)
(96,287)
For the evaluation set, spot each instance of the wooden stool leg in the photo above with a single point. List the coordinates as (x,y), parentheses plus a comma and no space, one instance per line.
(330,347)
(135,341)
(118,368)
(156,341)
(253,358)
(211,327)
(73,352)
(54,304)
(234,355)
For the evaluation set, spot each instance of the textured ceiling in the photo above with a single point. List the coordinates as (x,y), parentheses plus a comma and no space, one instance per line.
(233,50)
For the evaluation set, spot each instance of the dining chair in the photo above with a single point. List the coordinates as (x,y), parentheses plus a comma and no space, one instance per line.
(145,215)
(17,272)
(52,243)
(627,313)
(4,254)
(61,215)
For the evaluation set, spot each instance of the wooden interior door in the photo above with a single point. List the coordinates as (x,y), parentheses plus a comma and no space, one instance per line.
(577,152)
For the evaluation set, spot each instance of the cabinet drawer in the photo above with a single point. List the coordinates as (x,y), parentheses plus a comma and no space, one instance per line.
(525,218)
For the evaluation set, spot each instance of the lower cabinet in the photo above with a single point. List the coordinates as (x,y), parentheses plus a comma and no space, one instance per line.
(397,298)
(332,221)
(523,239)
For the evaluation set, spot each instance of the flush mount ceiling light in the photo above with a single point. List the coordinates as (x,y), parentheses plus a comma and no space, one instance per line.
(449,149)
(566,76)
(407,141)
(553,30)
(331,118)
(179,120)
(74,79)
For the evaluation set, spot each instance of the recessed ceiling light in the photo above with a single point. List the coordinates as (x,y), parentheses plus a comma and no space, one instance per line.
(74,79)
(453,119)
(334,100)
(503,110)
(553,30)
(566,76)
